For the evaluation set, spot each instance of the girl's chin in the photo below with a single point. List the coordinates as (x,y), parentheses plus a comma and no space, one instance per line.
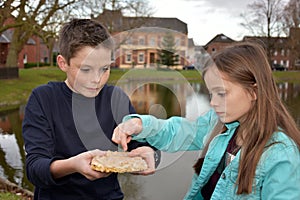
(225,120)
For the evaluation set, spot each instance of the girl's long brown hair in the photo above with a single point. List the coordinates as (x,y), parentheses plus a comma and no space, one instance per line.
(247,64)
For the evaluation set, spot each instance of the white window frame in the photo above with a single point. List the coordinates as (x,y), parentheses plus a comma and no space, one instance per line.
(128,57)
(141,40)
(141,55)
(152,41)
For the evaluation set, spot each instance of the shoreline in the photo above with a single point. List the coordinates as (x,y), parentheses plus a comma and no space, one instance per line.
(7,186)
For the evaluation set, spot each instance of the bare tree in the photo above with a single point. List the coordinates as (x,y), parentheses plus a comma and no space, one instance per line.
(44,18)
(6,10)
(291,15)
(29,17)
(134,8)
(292,20)
(265,18)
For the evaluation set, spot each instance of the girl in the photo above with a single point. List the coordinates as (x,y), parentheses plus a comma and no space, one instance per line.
(249,141)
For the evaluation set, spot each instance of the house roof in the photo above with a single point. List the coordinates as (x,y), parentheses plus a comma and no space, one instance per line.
(168,23)
(191,43)
(116,22)
(221,38)
(6,37)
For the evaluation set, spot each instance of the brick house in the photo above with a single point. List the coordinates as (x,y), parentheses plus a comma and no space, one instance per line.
(139,39)
(34,51)
(219,42)
(279,53)
(285,51)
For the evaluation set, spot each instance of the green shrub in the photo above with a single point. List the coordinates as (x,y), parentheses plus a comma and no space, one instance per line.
(31,65)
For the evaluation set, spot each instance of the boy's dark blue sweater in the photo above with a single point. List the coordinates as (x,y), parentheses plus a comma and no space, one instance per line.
(59,124)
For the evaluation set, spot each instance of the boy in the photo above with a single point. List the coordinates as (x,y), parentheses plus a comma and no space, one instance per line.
(67,122)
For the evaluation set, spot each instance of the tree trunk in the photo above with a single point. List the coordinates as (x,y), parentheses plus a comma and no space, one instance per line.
(12,56)
(17,42)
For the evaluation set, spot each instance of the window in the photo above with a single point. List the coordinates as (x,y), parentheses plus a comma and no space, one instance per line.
(25,58)
(152,41)
(141,41)
(177,42)
(128,57)
(141,58)
(129,40)
(282,52)
(275,53)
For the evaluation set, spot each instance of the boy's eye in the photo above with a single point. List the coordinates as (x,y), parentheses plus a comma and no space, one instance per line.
(84,69)
(105,68)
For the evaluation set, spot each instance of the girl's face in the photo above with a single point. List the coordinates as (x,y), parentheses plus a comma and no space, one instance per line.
(88,71)
(230,100)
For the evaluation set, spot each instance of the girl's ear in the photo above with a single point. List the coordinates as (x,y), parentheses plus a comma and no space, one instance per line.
(62,63)
(254,92)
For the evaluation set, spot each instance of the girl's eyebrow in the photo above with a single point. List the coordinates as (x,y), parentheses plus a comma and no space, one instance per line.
(217,88)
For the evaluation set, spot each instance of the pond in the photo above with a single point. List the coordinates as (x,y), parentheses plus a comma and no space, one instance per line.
(163,100)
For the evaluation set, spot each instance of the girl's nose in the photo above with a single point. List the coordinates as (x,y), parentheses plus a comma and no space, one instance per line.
(213,101)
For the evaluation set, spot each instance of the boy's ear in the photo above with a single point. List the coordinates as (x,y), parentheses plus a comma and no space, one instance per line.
(62,63)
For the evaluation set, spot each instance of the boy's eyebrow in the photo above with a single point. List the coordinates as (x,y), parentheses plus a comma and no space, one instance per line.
(87,65)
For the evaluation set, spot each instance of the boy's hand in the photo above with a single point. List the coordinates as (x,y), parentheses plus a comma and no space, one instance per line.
(122,133)
(82,165)
(147,153)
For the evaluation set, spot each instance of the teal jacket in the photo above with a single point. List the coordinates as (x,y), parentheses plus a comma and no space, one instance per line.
(277,175)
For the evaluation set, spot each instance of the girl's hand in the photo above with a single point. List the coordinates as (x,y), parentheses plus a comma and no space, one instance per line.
(147,153)
(122,133)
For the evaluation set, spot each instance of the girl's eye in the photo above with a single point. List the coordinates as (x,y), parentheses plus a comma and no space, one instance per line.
(221,94)
(84,69)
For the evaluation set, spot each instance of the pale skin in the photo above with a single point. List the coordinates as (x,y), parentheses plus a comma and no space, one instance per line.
(230,101)
(87,73)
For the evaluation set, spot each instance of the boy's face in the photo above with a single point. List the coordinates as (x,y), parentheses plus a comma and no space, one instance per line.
(88,71)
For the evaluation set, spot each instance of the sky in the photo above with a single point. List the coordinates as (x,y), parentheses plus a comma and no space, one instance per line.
(205,18)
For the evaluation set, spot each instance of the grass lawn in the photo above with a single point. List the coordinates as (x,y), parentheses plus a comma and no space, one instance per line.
(14,92)
(10,196)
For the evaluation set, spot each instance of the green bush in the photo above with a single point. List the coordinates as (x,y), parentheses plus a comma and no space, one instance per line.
(31,65)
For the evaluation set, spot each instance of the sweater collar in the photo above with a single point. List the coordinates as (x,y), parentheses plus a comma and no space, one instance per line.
(232,125)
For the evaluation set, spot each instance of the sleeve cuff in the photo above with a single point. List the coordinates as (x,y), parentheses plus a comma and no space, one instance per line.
(146,122)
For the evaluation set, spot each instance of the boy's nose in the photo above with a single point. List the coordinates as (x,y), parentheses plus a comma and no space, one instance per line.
(97,76)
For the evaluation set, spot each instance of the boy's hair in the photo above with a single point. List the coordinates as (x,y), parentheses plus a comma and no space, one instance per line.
(79,33)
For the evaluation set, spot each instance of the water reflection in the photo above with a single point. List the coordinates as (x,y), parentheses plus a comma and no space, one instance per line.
(12,155)
(290,94)
(162,100)
(177,99)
